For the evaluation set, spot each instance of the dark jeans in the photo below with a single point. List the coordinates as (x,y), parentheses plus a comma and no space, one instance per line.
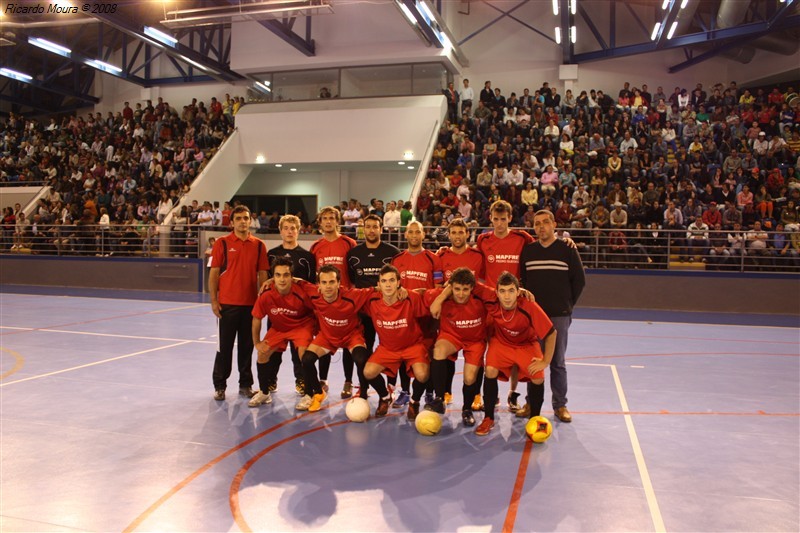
(236,320)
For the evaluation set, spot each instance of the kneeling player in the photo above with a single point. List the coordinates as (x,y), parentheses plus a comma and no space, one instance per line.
(462,327)
(521,328)
(401,339)
(291,319)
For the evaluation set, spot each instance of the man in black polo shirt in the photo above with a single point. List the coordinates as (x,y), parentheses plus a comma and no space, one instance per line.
(364,263)
(304,267)
(553,272)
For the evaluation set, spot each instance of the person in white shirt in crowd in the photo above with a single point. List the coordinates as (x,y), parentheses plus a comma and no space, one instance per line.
(467,94)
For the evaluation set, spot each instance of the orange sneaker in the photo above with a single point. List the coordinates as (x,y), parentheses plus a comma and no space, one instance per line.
(316,402)
(485,427)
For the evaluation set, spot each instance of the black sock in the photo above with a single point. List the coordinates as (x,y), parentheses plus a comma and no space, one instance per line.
(418,389)
(272,367)
(535,398)
(439,377)
(469,392)
(262,369)
(297,365)
(324,366)
(478,381)
(393,380)
(310,373)
(490,397)
(379,385)
(451,372)
(405,379)
(347,365)
(360,356)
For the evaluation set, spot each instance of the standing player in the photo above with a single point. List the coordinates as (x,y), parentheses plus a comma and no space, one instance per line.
(239,265)
(332,250)
(553,272)
(401,343)
(419,269)
(291,319)
(304,267)
(457,255)
(462,327)
(364,264)
(523,338)
(337,311)
(501,248)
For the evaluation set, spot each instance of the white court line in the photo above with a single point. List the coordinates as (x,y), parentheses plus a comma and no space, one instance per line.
(682,323)
(588,364)
(95,363)
(652,503)
(140,337)
(194,306)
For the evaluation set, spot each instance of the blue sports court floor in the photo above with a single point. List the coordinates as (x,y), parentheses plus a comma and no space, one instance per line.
(681,423)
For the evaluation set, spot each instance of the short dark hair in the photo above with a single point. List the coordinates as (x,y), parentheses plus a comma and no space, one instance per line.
(240,209)
(463,276)
(390,269)
(501,206)
(282,261)
(457,222)
(330,269)
(507,278)
(376,218)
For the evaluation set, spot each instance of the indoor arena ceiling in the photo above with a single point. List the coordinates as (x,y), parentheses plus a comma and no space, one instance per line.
(62,82)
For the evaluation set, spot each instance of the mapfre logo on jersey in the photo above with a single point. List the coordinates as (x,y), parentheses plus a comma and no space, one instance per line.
(332,260)
(504,258)
(336,323)
(466,324)
(415,275)
(282,311)
(511,332)
(392,324)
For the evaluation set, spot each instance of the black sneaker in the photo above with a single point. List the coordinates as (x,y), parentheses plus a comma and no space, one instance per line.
(437,406)
(513,402)
(467,418)
(247,392)
(428,398)
(219,395)
(413,409)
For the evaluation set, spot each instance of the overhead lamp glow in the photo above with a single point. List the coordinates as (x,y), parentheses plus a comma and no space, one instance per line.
(407,12)
(573,34)
(558,35)
(573,6)
(263,87)
(408,154)
(401,162)
(423,8)
(50,47)
(672,29)
(278,165)
(160,36)
(260,159)
(105,67)
(13,74)
(293,169)
(664,4)
(683,3)
(410,168)
(194,63)
(555,7)
(446,44)
(655,31)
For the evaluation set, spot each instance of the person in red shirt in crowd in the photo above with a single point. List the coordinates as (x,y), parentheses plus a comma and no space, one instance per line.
(226,215)
(501,248)
(458,254)
(712,216)
(331,249)
(523,337)
(401,347)
(419,269)
(462,327)
(337,311)
(239,266)
(450,200)
(291,319)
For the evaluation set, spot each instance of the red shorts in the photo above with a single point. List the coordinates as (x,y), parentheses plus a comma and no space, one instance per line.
(356,338)
(300,337)
(473,351)
(391,360)
(503,357)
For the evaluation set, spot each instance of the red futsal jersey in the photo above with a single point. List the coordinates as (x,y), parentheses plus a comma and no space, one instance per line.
(397,325)
(422,270)
(334,253)
(470,258)
(501,254)
(465,322)
(239,262)
(286,313)
(338,319)
(525,325)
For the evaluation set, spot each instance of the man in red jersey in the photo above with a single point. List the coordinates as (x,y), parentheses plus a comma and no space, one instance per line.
(239,266)
(337,310)
(419,269)
(501,248)
(291,319)
(523,338)
(332,249)
(462,327)
(401,342)
(458,254)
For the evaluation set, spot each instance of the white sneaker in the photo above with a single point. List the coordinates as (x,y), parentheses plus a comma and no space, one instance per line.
(259,399)
(304,403)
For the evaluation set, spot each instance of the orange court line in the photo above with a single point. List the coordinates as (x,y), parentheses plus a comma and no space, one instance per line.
(513,505)
(679,353)
(19,361)
(682,413)
(194,475)
(233,494)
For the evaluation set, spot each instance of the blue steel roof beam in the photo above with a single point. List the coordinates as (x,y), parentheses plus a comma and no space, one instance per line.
(89,99)
(638,19)
(512,17)
(787,22)
(306,46)
(592,28)
(669,18)
(178,51)
(782,13)
(492,22)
